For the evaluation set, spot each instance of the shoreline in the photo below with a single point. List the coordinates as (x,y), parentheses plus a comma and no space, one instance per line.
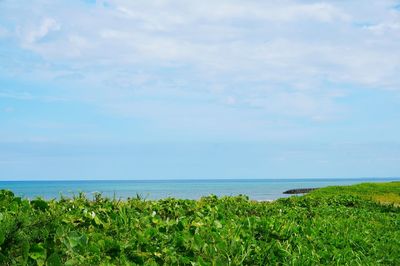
(259,190)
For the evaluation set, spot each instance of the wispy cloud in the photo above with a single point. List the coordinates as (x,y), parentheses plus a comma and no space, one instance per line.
(28,96)
(286,59)
(37,33)
(113,88)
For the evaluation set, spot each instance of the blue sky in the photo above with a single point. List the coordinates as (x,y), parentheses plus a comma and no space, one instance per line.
(226,89)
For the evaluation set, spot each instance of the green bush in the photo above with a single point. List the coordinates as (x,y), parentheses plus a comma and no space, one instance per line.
(329,226)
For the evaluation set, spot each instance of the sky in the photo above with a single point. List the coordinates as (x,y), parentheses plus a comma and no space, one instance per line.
(170,89)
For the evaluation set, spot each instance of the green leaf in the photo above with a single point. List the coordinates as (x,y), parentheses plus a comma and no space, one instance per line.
(2,237)
(25,251)
(217,224)
(71,262)
(75,239)
(54,260)
(38,253)
(40,204)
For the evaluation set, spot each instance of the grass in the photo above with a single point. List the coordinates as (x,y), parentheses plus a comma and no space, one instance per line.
(386,193)
(353,225)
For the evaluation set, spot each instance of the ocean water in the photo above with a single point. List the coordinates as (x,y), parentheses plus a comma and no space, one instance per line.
(257,189)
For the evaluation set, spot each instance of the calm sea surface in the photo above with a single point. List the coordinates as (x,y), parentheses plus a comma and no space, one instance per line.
(267,189)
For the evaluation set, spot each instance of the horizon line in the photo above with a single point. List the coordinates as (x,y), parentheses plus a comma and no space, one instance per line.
(197,179)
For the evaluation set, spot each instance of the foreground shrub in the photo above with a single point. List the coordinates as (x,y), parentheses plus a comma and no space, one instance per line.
(320,228)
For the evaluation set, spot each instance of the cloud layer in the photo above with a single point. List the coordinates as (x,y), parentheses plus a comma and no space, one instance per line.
(260,64)
(216,89)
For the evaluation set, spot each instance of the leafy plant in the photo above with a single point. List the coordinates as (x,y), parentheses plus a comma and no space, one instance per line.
(334,225)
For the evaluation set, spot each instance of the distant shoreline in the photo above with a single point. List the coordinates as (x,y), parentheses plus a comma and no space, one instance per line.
(300,179)
(255,189)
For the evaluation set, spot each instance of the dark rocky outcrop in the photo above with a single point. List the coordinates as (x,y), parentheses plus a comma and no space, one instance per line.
(299,190)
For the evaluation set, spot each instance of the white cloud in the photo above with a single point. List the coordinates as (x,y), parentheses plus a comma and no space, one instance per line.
(16,95)
(277,56)
(45,27)
(28,96)
(179,12)
(385,27)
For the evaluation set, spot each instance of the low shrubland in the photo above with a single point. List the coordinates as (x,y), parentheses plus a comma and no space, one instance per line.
(354,225)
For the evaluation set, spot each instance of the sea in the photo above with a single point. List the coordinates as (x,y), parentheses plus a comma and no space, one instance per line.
(256,189)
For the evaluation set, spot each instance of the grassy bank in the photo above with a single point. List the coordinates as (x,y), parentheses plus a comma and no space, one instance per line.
(337,225)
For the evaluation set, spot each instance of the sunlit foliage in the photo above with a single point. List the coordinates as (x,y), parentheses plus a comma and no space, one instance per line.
(338,225)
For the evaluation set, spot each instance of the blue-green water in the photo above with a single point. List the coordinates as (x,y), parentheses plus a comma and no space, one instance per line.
(267,189)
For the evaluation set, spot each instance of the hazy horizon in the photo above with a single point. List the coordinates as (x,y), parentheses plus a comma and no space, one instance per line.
(387,178)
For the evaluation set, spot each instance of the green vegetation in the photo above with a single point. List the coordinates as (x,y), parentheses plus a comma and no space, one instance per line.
(386,193)
(336,225)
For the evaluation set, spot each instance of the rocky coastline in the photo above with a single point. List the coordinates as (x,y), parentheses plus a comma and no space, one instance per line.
(299,190)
